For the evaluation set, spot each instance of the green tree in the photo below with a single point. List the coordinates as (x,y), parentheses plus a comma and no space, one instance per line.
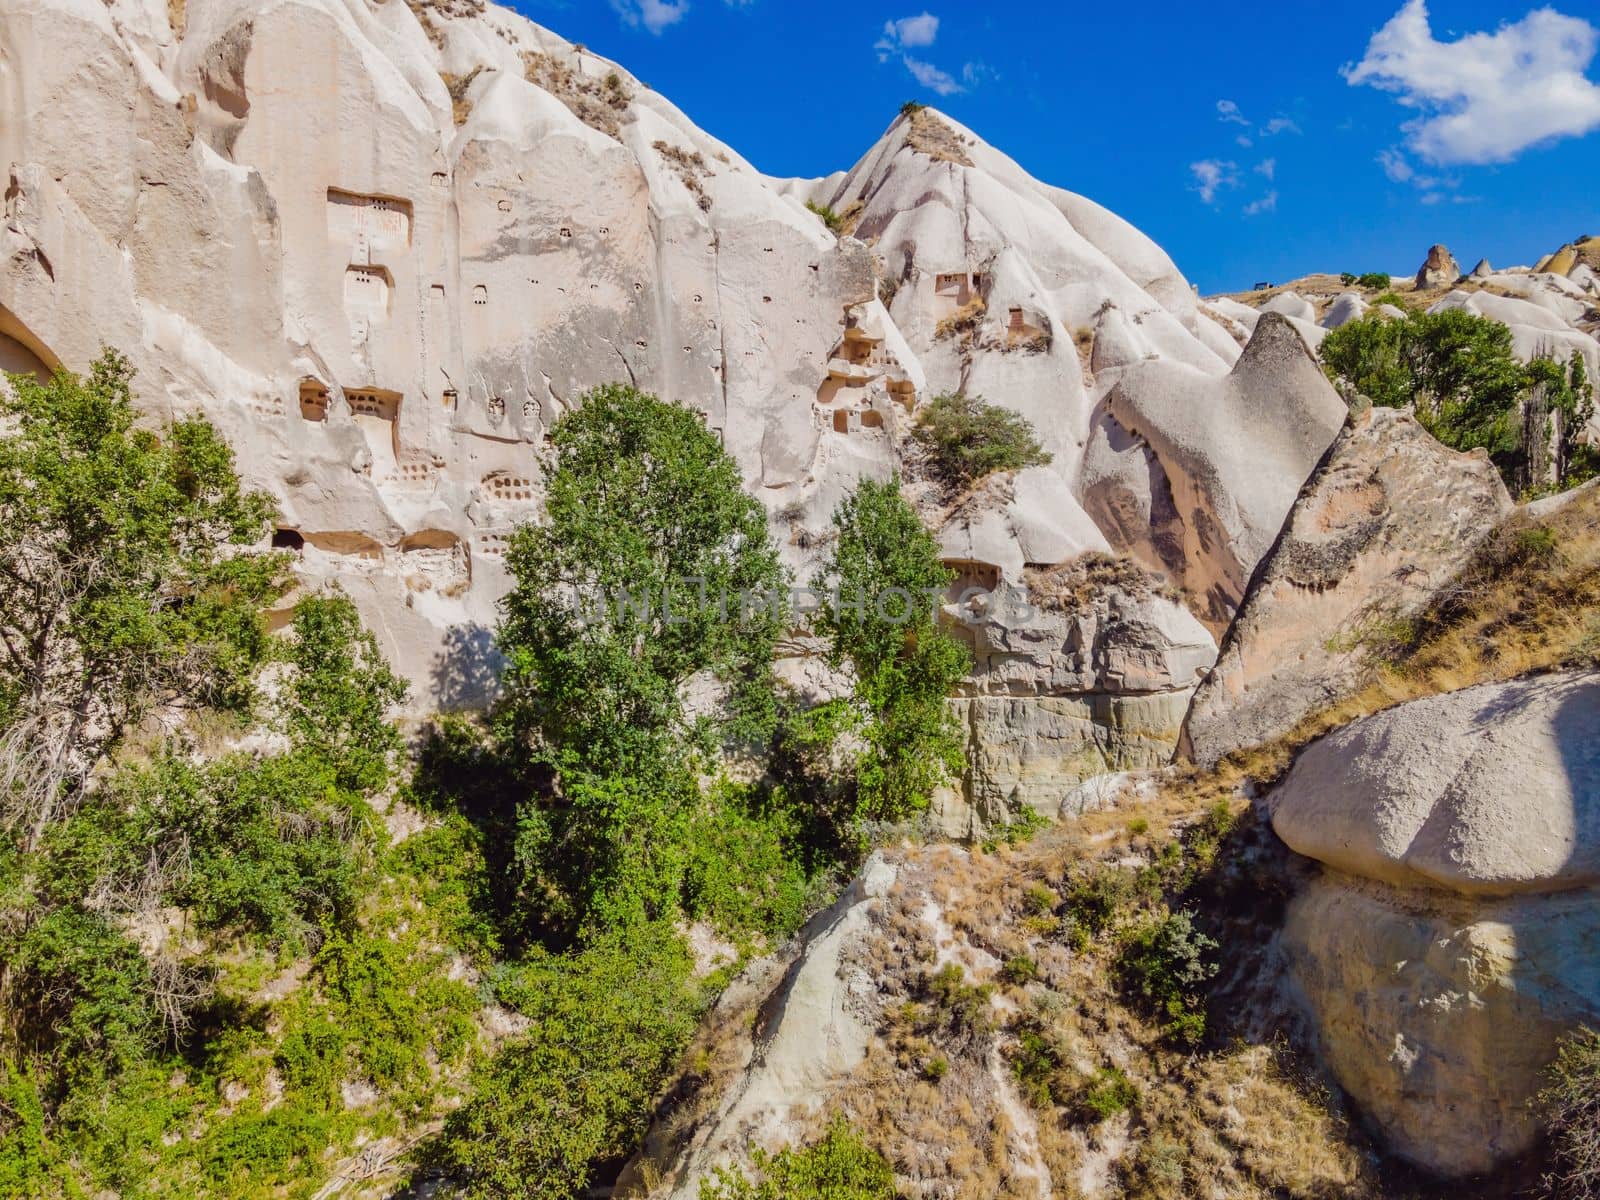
(1460,375)
(965,439)
(886,577)
(605,622)
(122,588)
(574,1093)
(341,694)
(840,1166)
(653,566)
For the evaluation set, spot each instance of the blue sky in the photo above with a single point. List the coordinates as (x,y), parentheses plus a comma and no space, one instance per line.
(1274,140)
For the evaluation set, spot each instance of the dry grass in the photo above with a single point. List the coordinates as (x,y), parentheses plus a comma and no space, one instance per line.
(177,15)
(1231,1120)
(931,136)
(1527,602)
(457,85)
(1073,586)
(599,104)
(691,168)
(964,322)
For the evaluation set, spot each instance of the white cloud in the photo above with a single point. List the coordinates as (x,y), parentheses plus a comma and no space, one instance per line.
(1268,167)
(1267,203)
(1212,175)
(654,15)
(1228,111)
(1243,141)
(1279,125)
(931,77)
(920,33)
(1488,96)
(1395,165)
(908,32)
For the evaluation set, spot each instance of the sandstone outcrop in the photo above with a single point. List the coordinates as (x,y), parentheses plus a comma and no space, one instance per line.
(1439,269)
(1455,931)
(1229,453)
(1096,678)
(1387,520)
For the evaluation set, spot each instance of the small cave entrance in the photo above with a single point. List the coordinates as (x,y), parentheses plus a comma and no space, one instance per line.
(284,538)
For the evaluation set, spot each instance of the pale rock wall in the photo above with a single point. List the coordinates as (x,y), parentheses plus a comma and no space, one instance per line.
(1388,519)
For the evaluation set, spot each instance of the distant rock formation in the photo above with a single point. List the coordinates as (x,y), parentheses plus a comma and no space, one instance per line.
(1439,270)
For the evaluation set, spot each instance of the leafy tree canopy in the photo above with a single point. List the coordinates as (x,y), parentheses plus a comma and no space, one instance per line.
(965,439)
(886,572)
(645,516)
(121,582)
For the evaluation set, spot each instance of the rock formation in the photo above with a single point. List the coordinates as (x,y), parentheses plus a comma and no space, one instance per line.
(1388,519)
(1439,269)
(386,335)
(1455,932)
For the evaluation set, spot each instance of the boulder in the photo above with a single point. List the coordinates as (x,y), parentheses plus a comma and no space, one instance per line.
(1483,270)
(1454,934)
(1386,520)
(1492,790)
(1438,270)
(1438,1019)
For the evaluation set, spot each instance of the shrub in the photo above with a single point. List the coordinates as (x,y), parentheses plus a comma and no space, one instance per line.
(911,108)
(841,1166)
(965,439)
(1571,1104)
(1165,962)
(1020,970)
(1107,1093)
(827,216)
(1035,1063)
(1372,279)
(575,1093)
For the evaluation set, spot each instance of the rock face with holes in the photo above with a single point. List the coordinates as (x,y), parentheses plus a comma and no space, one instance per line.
(1386,521)
(384,246)
(1455,931)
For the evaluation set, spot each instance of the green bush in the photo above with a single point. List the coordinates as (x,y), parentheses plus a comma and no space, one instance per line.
(1036,1063)
(841,1166)
(1020,970)
(827,216)
(1106,1094)
(1166,962)
(1373,279)
(570,1099)
(965,439)
(911,108)
(1571,1105)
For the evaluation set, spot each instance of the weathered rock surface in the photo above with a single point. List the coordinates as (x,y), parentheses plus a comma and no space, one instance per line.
(1456,931)
(1387,520)
(1492,790)
(1439,269)
(1438,1019)
(1228,456)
